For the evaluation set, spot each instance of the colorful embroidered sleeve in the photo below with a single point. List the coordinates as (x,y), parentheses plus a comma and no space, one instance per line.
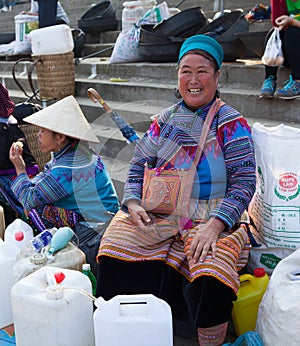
(239,159)
(47,188)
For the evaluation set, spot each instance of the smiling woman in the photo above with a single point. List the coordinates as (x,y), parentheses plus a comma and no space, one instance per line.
(191,262)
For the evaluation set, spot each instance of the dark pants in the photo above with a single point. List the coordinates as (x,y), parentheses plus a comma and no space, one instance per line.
(290,39)
(47,13)
(205,302)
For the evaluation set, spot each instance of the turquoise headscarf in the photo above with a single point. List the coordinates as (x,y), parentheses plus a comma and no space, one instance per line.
(205,43)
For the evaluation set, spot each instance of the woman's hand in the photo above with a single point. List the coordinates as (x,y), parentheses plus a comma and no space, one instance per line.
(283,21)
(139,215)
(205,237)
(15,156)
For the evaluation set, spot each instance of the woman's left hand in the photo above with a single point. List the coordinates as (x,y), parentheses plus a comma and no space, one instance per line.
(205,238)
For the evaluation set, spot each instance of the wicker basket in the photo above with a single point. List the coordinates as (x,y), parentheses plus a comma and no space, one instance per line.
(55,75)
(31,131)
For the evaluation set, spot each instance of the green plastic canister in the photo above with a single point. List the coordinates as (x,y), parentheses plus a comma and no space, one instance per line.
(249,296)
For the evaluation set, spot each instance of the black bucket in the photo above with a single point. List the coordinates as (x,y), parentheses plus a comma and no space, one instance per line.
(148,34)
(227,26)
(185,23)
(159,52)
(99,18)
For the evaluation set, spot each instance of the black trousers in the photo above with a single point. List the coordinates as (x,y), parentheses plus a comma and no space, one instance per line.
(205,302)
(290,39)
(47,13)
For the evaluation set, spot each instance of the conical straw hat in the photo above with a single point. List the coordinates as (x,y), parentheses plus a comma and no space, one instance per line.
(65,117)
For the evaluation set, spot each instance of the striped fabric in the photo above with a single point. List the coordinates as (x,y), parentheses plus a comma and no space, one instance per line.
(166,242)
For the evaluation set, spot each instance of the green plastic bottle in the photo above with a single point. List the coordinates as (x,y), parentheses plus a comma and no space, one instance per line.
(86,269)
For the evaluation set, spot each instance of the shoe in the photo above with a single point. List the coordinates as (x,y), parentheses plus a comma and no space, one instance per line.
(290,91)
(268,88)
(5,9)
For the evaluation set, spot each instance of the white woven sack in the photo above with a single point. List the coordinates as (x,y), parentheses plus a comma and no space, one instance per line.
(279,311)
(275,207)
(264,256)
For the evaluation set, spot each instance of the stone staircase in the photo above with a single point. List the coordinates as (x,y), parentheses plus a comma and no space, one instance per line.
(146,88)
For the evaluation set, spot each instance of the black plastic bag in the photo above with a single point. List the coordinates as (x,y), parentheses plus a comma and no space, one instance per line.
(88,237)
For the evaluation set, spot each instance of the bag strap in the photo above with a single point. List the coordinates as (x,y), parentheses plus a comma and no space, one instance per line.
(205,129)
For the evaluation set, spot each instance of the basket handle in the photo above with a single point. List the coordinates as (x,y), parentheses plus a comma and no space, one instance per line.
(13,71)
(29,75)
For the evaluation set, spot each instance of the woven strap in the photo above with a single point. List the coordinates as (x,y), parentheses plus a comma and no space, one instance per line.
(206,126)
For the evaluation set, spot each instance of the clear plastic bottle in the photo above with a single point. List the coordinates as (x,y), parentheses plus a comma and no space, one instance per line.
(43,239)
(86,269)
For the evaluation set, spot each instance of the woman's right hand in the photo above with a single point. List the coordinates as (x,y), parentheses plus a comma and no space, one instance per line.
(283,21)
(15,156)
(138,214)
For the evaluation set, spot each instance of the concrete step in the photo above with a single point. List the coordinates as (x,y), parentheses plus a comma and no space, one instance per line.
(142,82)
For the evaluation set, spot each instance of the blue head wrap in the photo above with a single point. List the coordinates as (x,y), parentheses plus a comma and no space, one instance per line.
(205,43)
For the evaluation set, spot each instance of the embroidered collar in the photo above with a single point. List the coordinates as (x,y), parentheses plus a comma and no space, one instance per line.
(202,110)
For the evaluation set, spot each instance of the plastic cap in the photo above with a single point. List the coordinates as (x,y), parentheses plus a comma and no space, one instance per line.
(59,277)
(259,272)
(86,266)
(38,258)
(19,236)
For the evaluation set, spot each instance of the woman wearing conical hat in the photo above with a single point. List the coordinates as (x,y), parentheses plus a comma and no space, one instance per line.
(75,184)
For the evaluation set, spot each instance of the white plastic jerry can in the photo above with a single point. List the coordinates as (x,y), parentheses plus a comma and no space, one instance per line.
(49,313)
(133,320)
(8,254)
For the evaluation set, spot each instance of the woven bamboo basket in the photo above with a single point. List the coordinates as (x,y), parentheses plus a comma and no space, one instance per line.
(30,132)
(55,75)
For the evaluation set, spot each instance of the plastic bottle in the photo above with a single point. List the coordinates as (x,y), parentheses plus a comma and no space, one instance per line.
(60,239)
(86,269)
(250,293)
(42,239)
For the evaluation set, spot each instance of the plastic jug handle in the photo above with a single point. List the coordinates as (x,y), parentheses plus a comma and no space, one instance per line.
(246,277)
(294,275)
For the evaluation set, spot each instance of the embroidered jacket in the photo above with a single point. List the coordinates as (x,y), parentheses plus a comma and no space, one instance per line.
(226,170)
(72,180)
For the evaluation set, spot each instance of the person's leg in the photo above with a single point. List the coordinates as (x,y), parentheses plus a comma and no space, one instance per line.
(269,85)
(291,49)
(210,303)
(47,13)
(6,6)
(59,21)
(123,277)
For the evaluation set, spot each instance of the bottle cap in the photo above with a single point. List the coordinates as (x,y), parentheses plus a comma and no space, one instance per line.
(59,277)
(38,258)
(86,266)
(19,236)
(259,272)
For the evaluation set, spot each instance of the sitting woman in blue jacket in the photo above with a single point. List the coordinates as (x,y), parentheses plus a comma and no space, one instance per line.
(75,185)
